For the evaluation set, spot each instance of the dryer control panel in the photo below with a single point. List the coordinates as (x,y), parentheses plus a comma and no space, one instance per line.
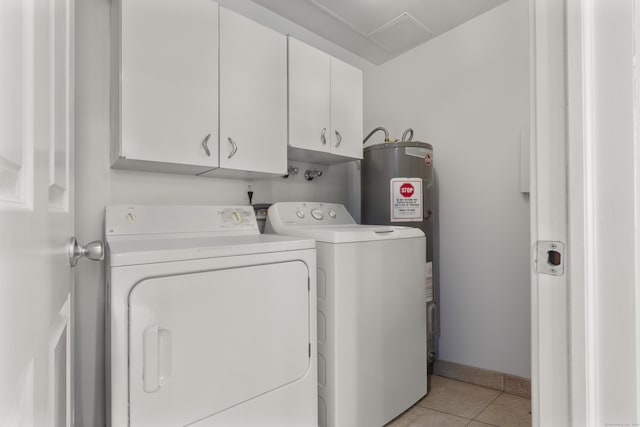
(160,220)
(237,217)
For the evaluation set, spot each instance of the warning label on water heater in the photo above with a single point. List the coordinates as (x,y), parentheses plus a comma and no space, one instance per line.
(406,199)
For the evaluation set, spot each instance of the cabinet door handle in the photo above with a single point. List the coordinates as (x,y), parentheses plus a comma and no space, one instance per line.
(338,138)
(234,149)
(205,144)
(323,137)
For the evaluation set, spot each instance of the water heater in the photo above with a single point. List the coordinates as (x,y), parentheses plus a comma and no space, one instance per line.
(398,189)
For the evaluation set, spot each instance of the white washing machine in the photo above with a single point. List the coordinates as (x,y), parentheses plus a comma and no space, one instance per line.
(372,333)
(209,323)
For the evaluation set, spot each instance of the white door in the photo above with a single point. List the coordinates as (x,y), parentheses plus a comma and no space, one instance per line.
(205,342)
(169,81)
(36,211)
(253,96)
(346,109)
(309,97)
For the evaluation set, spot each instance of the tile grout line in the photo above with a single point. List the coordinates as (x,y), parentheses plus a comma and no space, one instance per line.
(482,422)
(474,418)
(500,392)
(488,404)
(448,413)
(470,421)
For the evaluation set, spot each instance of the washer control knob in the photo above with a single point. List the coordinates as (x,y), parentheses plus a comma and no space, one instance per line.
(317,214)
(332,213)
(300,213)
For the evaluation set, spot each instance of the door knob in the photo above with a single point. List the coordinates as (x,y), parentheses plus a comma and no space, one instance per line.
(93,251)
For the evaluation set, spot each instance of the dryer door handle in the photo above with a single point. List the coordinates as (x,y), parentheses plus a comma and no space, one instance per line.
(156,353)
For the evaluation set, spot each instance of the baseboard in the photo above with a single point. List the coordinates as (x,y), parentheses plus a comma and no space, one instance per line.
(508,383)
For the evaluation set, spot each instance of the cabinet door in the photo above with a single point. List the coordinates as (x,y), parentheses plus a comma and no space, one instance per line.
(346,109)
(253,96)
(169,81)
(309,102)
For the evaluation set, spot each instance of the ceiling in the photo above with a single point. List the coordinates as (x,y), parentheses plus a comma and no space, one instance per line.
(378,30)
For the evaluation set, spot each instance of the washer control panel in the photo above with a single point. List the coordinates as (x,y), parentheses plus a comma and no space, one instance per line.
(310,213)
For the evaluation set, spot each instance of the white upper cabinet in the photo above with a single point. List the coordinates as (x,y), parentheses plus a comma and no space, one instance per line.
(325,106)
(253,96)
(309,97)
(346,109)
(166,85)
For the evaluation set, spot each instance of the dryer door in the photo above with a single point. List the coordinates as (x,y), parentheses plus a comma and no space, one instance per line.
(201,343)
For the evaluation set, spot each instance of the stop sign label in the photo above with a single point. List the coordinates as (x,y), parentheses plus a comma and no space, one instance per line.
(406,190)
(406,199)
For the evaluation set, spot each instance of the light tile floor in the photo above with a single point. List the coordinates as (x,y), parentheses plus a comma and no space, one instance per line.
(452,403)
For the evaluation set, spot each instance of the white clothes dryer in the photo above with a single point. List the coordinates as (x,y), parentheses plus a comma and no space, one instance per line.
(209,323)
(372,336)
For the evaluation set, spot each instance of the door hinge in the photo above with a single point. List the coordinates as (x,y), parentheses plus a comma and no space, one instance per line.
(309,283)
(549,257)
(309,350)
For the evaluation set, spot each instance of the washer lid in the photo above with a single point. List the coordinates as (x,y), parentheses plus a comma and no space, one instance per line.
(133,250)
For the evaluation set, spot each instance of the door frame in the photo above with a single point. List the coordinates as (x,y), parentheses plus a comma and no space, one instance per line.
(548,213)
(582,215)
(581,55)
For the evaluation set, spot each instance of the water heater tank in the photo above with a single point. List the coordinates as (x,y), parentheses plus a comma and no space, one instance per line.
(385,165)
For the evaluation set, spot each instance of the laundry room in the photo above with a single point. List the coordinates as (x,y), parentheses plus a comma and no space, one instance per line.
(465,92)
(459,85)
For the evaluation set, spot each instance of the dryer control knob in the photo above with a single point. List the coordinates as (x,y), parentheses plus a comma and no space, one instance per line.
(317,214)
(332,213)
(235,217)
(300,213)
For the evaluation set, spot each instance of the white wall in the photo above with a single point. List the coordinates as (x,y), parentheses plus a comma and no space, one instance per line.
(466,92)
(98,185)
